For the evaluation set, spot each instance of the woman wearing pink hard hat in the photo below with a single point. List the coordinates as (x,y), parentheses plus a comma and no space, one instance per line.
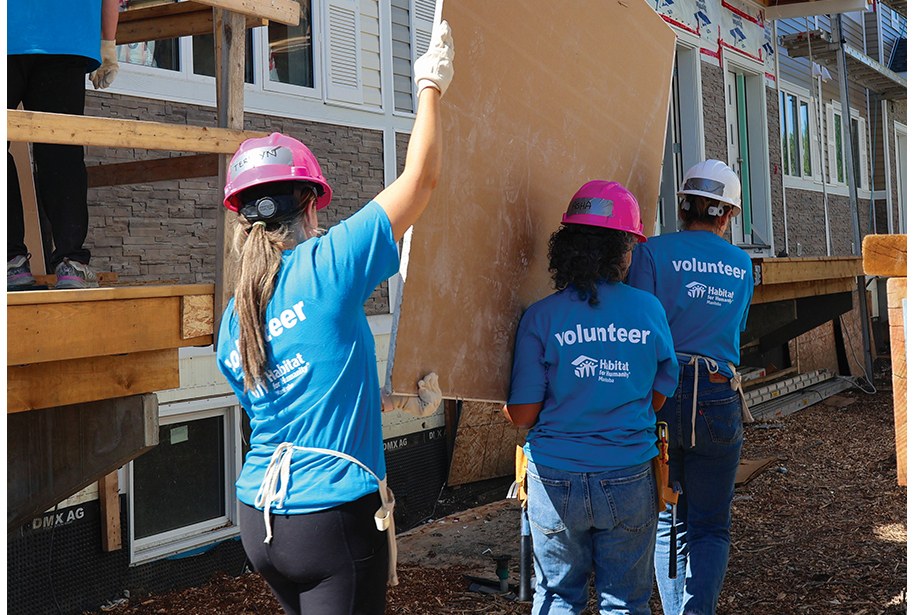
(705,285)
(591,363)
(295,345)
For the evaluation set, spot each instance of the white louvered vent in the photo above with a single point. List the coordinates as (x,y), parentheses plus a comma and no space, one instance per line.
(344,70)
(423,20)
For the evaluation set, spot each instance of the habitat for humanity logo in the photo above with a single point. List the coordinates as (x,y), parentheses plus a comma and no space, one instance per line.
(585,367)
(712,295)
(696,289)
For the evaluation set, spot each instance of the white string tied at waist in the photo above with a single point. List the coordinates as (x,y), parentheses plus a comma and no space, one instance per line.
(275,484)
(712,367)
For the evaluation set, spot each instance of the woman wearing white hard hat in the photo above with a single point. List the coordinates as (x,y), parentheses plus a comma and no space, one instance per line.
(296,348)
(705,285)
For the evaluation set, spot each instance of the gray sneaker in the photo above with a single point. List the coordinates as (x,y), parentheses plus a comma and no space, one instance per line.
(71,274)
(18,273)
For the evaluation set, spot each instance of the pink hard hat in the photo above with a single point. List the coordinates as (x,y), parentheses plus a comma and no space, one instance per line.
(276,158)
(607,204)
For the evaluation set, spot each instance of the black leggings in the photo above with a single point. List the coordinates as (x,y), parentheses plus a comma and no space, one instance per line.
(56,84)
(331,562)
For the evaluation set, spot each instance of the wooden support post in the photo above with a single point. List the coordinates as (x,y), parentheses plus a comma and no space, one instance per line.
(110,504)
(886,255)
(229,30)
(895,294)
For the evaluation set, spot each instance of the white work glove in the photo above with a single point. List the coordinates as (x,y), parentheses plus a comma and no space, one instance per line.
(430,397)
(104,75)
(434,68)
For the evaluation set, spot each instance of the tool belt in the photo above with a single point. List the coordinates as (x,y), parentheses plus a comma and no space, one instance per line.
(712,367)
(518,489)
(666,493)
(276,480)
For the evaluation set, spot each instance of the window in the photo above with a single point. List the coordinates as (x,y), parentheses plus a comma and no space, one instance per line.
(278,53)
(838,171)
(204,55)
(840,148)
(154,54)
(292,57)
(797,141)
(181,493)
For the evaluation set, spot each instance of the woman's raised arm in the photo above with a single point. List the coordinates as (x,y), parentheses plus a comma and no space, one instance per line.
(406,198)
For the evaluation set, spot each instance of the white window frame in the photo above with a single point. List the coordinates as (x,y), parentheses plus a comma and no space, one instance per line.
(833,109)
(143,550)
(759,138)
(692,133)
(815,180)
(901,130)
(263,96)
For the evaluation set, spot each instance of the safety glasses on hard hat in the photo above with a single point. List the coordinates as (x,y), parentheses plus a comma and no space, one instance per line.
(701,184)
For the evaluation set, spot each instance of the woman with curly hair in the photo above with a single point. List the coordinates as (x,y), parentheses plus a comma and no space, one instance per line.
(591,363)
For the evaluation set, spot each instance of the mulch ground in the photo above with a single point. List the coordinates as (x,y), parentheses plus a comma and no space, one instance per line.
(822,531)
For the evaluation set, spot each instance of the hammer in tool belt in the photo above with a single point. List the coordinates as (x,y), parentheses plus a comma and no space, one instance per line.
(667,493)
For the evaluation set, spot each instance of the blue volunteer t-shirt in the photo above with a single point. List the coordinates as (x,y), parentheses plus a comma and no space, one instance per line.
(594,369)
(705,284)
(321,386)
(67,27)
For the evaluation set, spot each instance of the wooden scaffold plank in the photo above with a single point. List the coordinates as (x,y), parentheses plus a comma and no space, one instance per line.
(62,383)
(167,21)
(282,11)
(148,171)
(59,128)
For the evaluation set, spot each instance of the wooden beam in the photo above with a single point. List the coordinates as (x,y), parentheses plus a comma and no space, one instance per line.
(62,383)
(59,128)
(781,292)
(896,289)
(149,171)
(75,330)
(55,452)
(38,298)
(158,10)
(197,20)
(230,111)
(789,270)
(110,504)
(282,11)
(104,278)
(885,255)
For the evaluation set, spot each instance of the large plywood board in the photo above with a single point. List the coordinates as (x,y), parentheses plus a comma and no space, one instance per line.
(546,96)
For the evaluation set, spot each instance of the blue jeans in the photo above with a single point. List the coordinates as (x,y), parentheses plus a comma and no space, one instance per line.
(600,522)
(706,473)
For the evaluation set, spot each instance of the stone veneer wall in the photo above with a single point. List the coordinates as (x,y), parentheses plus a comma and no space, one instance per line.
(166,231)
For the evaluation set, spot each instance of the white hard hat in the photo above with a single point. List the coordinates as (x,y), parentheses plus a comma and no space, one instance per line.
(713,179)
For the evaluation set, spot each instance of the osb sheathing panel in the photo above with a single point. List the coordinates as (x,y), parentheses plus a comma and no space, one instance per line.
(546,96)
(484,446)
